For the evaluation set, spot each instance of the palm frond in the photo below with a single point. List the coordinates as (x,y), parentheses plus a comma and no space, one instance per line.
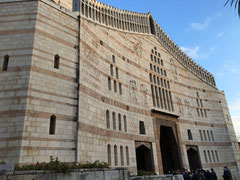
(235,3)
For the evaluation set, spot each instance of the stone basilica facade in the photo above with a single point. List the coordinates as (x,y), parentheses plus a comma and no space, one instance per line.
(94,82)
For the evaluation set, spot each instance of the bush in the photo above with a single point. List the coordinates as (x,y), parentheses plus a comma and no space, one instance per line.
(2,162)
(54,165)
(60,167)
(145,173)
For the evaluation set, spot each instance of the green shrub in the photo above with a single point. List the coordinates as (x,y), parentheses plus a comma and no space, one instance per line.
(2,162)
(145,173)
(60,167)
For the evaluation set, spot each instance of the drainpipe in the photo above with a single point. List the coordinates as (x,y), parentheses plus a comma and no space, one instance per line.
(78,85)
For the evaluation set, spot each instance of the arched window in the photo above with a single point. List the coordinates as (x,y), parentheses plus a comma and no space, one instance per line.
(205,137)
(115,156)
(213,156)
(216,153)
(52,127)
(205,155)
(109,154)
(120,88)
(109,83)
(121,154)
(119,122)
(209,156)
(5,63)
(127,155)
(189,134)
(111,69)
(56,61)
(212,136)
(125,123)
(201,137)
(117,76)
(209,139)
(108,119)
(114,120)
(115,85)
(113,58)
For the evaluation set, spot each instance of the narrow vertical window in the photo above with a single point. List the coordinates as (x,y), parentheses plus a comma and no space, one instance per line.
(109,83)
(205,112)
(114,120)
(120,88)
(125,123)
(56,61)
(213,156)
(216,153)
(198,112)
(5,63)
(205,137)
(212,136)
(209,138)
(115,155)
(119,122)
(142,128)
(201,137)
(121,154)
(111,69)
(108,119)
(205,155)
(115,85)
(117,76)
(189,134)
(52,127)
(109,154)
(209,156)
(127,155)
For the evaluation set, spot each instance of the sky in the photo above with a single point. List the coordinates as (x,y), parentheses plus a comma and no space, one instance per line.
(208,32)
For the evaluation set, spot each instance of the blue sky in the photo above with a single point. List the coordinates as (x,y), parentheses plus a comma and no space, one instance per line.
(207,31)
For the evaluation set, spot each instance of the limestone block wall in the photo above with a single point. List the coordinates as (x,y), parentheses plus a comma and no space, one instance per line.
(17,29)
(52,88)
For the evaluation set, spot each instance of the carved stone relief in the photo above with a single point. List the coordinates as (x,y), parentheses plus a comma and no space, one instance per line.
(133,90)
(174,69)
(187,104)
(143,88)
(138,49)
(180,105)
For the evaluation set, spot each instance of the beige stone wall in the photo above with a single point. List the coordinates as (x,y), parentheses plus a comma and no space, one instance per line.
(17,29)
(32,90)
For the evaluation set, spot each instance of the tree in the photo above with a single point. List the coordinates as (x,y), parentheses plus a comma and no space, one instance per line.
(235,3)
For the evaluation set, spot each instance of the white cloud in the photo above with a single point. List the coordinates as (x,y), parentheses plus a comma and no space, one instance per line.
(219,34)
(201,25)
(192,52)
(236,124)
(235,111)
(219,14)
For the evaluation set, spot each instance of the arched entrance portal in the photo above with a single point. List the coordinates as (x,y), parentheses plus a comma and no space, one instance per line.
(144,158)
(169,150)
(193,157)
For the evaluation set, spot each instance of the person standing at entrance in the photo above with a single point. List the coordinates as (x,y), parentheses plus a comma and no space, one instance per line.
(227,174)
(214,175)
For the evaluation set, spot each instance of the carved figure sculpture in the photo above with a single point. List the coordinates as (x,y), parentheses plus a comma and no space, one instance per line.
(132,91)
(145,91)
